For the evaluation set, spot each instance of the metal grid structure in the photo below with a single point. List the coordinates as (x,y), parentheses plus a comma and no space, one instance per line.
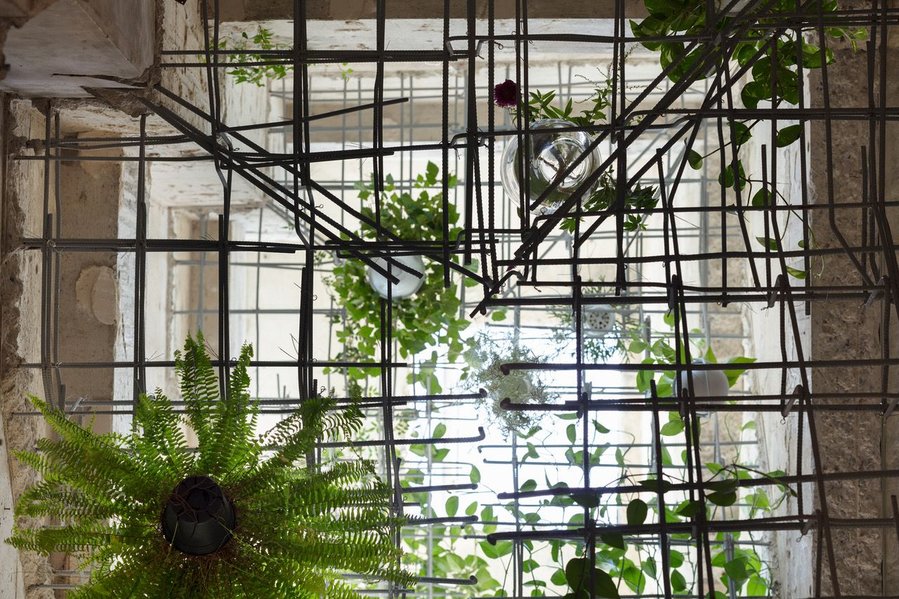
(518,258)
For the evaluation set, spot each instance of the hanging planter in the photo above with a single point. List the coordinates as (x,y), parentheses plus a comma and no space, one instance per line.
(550,154)
(706,383)
(598,321)
(485,357)
(408,284)
(240,515)
(425,312)
(552,151)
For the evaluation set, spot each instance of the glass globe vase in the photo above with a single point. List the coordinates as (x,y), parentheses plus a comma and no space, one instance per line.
(408,283)
(551,153)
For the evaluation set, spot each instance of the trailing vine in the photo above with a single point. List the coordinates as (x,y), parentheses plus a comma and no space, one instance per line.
(429,318)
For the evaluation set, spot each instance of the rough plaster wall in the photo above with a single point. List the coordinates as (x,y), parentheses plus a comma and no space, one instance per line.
(891,427)
(20,295)
(182,28)
(845,329)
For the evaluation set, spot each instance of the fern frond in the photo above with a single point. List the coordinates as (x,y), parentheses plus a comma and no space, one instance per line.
(157,437)
(199,390)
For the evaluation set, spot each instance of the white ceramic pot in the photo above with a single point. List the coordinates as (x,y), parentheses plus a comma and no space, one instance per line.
(706,383)
(408,283)
(551,153)
(597,320)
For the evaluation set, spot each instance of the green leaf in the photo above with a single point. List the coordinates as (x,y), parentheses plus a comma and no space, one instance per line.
(761,198)
(644,377)
(675,558)
(756,586)
(695,159)
(729,179)
(739,133)
(634,578)
(753,92)
(439,431)
(600,428)
(613,539)
(675,427)
(723,498)
(636,512)
(768,242)
(558,577)
(577,573)
(649,566)
(788,135)
(472,508)
(529,485)
(501,549)
(571,433)
(678,582)
(474,475)
(452,506)
(736,569)
(796,273)
(668,318)
(733,374)
(586,499)
(498,315)
(689,509)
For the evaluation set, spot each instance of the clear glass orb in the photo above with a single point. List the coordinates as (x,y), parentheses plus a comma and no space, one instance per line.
(408,283)
(551,153)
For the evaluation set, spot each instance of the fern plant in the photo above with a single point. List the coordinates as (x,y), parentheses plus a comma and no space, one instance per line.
(238,515)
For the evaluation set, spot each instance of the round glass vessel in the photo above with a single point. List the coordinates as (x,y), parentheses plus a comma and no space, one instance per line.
(408,283)
(551,153)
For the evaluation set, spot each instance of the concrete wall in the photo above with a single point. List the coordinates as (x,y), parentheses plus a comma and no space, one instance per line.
(261,10)
(80,43)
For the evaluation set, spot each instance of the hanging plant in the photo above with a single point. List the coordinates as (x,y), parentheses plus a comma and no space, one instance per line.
(773,76)
(238,516)
(606,329)
(485,357)
(263,39)
(552,152)
(248,47)
(424,319)
(774,73)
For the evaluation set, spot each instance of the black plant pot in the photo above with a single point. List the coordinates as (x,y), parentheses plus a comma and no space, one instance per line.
(198,518)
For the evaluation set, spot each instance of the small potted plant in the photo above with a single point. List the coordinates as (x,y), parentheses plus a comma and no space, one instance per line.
(425,312)
(605,328)
(484,358)
(239,515)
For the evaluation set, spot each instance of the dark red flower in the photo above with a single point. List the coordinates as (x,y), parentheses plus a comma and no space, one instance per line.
(505,95)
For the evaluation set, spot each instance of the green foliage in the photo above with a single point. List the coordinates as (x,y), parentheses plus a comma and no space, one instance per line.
(597,349)
(640,199)
(299,525)
(248,46)
(423,321)
(484,357)
(774,61)
(773,66)
(263,39)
